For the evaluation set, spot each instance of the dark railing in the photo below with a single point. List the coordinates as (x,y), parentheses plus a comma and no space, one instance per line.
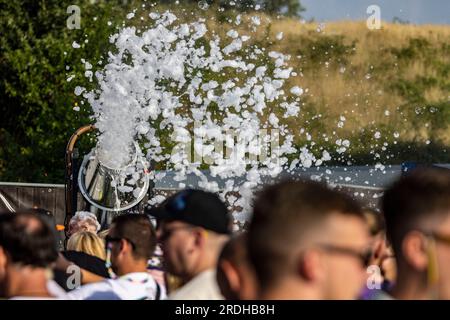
(16,196)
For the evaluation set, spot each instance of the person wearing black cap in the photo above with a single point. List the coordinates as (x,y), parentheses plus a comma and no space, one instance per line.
(193,226)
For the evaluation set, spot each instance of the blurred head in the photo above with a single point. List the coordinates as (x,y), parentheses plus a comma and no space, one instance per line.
(87,242)
(235,274)
(46,216)
(131,241)
(83,221)
(417,214)
(307,241)
(193,225)
(375,222)
(26,243)
(382,253)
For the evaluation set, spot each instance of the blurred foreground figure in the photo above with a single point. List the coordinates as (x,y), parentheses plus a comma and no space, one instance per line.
(27,251)
(381,273)
(417,214)
(235,274)
(193,227)
(382,252)
(308,242)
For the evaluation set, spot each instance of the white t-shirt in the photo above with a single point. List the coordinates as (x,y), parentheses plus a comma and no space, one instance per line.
(133,286)
(202,287)
(55,290)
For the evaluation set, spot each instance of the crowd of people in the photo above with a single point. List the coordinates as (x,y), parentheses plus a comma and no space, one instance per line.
(305,240)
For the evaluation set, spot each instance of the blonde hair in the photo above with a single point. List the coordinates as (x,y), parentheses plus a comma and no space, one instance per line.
(87,242)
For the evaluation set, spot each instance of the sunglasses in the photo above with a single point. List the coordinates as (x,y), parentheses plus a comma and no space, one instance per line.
(363,256)
(109,239)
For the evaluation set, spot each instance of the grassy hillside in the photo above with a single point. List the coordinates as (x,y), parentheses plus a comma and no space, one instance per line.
(387,91)
(395,81)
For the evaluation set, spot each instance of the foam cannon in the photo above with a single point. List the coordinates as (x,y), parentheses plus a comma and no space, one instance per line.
(105,187)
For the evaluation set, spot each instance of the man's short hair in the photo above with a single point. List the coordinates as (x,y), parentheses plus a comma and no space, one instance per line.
(139,231)
(27,239)
(423,194)
(285,215)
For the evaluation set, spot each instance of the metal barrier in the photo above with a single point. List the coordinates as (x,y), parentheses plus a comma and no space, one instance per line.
(15,196)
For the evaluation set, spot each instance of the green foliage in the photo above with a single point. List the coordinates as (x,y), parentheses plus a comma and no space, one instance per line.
(290,8)
(317,51)
(36,101)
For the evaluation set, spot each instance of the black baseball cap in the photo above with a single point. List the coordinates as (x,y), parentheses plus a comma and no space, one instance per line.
(195,207)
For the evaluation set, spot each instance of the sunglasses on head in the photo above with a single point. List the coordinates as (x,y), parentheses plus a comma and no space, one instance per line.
(110,239)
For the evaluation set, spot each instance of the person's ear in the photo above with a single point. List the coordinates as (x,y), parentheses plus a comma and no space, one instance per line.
(2,256)
(200,236)
(125,246)
(231,275)
(3,262)
(414,250)
(310,266)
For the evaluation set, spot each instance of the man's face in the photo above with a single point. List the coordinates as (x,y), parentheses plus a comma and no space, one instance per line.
(348,241)
(179,247)
(443,259)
